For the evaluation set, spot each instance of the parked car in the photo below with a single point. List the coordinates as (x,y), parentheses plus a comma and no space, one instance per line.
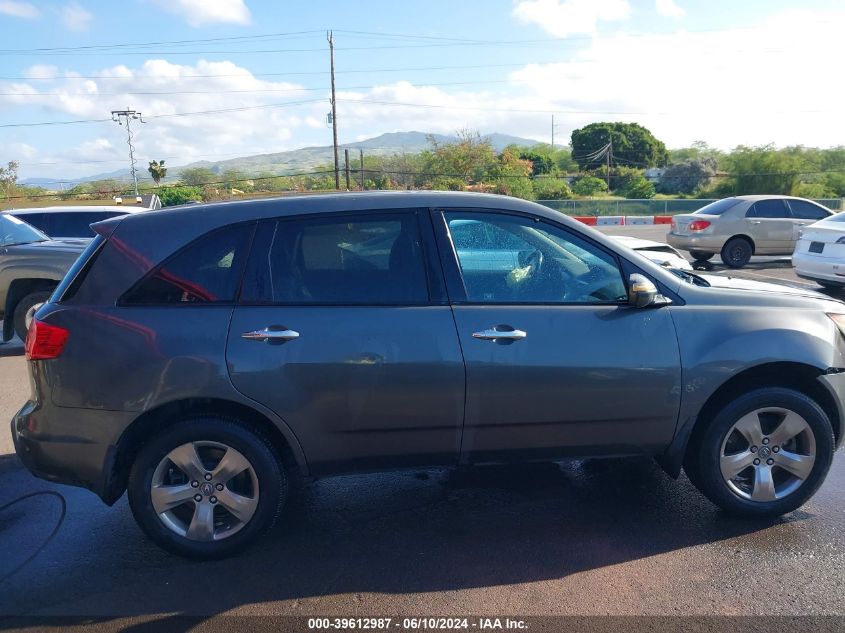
(31,266)
(739,227)
(820,252)
(208,358)
(658,252)
(70,223)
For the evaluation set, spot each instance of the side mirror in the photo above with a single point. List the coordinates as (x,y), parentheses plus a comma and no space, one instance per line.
(641,291)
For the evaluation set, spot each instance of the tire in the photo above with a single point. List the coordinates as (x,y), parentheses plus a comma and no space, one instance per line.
(24,305)
(780,491)
(701,257)
(736,252)
(266,487)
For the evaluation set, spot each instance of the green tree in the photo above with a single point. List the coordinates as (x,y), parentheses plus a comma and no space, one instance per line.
(548,188)
(171,196)
(632,145)
(237,179)
(687,176)
(8,178)
(763,170)
(589,186)
(511,175)
(639,189)
(197,176)
(470,159)
(157,170)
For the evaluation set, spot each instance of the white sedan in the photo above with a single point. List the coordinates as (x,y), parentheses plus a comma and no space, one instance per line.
(820,252)
(657,252)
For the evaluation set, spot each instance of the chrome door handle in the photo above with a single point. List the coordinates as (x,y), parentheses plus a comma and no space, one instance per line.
(756,222)
(271,335)
(495,333)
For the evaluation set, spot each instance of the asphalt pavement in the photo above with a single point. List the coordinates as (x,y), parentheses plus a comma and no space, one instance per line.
(596,537)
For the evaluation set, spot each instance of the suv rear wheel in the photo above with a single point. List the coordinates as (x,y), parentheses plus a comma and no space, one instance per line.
(25,309)
(207,488)
(764,454)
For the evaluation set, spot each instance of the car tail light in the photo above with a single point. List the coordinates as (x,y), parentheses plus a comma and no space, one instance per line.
(698,225)
(44,341)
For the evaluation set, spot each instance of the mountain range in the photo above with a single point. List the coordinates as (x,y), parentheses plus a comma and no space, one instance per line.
(303,159)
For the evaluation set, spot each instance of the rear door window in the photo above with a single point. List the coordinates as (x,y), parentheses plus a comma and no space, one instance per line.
(768,209)
(206,271)
(348,260)
(803,210)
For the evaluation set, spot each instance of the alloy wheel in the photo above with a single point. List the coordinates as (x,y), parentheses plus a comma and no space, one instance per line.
(767,454)
(204,491)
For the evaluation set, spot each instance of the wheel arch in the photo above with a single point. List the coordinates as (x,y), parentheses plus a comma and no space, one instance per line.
(745,237)
(790,375)
(154,420)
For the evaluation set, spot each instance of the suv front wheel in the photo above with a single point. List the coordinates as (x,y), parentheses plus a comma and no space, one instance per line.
(207,488)
(764,454)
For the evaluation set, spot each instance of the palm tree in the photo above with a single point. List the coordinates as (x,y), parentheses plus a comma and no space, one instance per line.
(157,170)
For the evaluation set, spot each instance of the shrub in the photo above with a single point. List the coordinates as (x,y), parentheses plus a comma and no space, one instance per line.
(171,196)
(639,189)
(589,186)
(551,189)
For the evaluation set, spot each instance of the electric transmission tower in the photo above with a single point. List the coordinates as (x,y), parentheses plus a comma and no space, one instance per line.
(128,115)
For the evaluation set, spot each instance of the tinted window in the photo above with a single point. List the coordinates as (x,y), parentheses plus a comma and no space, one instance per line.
(35,219)
(362,260)
(768,209)
(206,271)
(518,260)
(718,207)
(77,223)
(807,210)
(15,231)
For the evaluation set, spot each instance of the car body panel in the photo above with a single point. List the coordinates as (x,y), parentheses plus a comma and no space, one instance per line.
(388,372)
(70,222)
(819,255)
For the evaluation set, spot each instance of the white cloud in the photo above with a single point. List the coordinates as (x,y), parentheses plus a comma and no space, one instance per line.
(19,9)
(669,8)
(76,17)
(567,17)
(41,71)
(202,12)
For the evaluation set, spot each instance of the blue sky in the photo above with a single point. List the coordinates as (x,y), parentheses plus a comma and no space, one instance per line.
(726,72)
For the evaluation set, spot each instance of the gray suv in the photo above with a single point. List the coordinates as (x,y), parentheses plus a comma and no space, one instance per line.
(210,358)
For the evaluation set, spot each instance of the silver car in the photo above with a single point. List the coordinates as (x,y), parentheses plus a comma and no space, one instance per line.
(742,226)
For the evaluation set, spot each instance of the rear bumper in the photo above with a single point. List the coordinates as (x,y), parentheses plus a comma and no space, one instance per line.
(703,243)
(69,446)
(819,268)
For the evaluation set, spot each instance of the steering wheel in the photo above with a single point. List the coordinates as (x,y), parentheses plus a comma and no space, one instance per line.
(578,289)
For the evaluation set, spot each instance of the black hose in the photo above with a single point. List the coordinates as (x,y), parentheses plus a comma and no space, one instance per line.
(49,538)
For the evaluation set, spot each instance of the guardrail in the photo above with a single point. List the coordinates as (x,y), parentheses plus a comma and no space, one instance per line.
(598,207)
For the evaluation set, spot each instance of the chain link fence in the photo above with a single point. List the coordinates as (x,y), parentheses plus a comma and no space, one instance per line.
(598,206)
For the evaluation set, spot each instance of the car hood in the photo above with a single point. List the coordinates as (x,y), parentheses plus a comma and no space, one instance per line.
(737,283)
(52,245)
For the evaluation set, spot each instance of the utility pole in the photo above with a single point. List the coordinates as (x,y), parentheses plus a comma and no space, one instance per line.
(361,151)
(609,158)
(553,132)
(346,163)
(330,38)
(128,115)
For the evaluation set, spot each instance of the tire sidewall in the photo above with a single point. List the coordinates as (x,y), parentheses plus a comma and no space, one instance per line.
(701,256)
(23,306)
(726,249)
(272,485)
(708,470)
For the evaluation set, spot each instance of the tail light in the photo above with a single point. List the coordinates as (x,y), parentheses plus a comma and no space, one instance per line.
(44,341)
(673,224)
(698,225)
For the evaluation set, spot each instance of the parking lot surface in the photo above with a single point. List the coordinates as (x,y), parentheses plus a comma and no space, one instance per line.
(587,538)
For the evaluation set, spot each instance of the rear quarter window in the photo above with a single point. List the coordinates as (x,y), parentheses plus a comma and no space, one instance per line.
(718,207)
(206,271)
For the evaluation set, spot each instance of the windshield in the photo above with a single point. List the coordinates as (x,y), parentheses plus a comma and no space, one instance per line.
(718,207)
(839,217)
(14,231)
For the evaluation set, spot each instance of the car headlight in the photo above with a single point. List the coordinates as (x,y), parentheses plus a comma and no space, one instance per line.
(839,319)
